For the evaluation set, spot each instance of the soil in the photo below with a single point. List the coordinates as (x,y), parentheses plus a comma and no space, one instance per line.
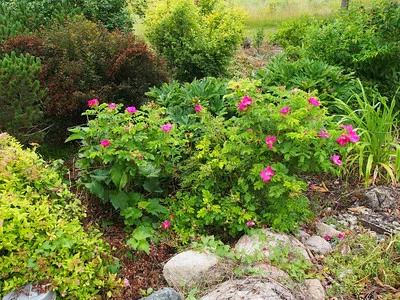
(137,270)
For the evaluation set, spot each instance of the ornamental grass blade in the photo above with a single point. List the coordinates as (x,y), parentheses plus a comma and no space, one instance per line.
(368,169)
(389,172)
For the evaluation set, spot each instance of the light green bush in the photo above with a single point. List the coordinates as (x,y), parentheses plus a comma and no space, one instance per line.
(41,237)
(197,40)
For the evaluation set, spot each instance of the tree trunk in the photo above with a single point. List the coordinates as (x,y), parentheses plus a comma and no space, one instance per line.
(345,4)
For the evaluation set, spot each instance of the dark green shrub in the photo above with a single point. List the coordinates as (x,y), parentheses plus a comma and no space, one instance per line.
(197,38)
(21,97)
(10,25)
(363,39)
(32,15)
(42,239)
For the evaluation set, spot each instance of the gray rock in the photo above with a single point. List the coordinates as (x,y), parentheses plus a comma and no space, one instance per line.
(315,290)
(264,241)
(29,292)
(250,289)
(190,268)
(318,244)
(324,230)
(272,272)
(302,236)
(164,294)
(382,197)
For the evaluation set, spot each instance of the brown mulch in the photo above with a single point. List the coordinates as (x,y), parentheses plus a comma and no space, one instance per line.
(137,270)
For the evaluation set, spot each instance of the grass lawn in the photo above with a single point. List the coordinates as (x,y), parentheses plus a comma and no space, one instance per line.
(270,13)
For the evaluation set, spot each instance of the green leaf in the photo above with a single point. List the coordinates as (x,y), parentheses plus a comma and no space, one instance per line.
(139,238)
(155,208)
(32,263)
(152,185)
(142,233)
(131,215)
(150,170)
(96,188)
(144,246)
(119,199)
(100,175)
(75,136)
(118,177)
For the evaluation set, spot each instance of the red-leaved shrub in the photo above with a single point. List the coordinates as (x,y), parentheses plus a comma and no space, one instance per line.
(83,60)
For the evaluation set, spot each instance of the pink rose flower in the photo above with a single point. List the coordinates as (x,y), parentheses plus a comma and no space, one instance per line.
(266,174)
(336,160)
(285,110)
(112,105)
(350,133)
(343,140)
(314,101)
(93,102)
(197,108)
(246,101)
(166,127)
(250,223)
(105,143)
(341,236)
(323,134)
(270,140)
(131,109)
(165,224)
(327,237)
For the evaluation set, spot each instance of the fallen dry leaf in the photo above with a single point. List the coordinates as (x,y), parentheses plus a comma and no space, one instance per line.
(345,249)
(320,189)
(358,209)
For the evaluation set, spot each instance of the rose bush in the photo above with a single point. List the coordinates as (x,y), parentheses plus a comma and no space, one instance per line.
(211,172)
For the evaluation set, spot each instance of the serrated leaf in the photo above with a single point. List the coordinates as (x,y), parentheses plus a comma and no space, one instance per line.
(150,170)
(131,214)
(119,199)
(100,175)
(95,188)
(143,204)
(116,175)
(142,233)
(152,185)
(155,208)
(144,246)
(124,180)
(32,263)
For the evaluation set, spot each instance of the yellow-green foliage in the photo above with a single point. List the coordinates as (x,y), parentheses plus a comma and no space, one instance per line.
(362,261)
(41,237)
(197,39)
